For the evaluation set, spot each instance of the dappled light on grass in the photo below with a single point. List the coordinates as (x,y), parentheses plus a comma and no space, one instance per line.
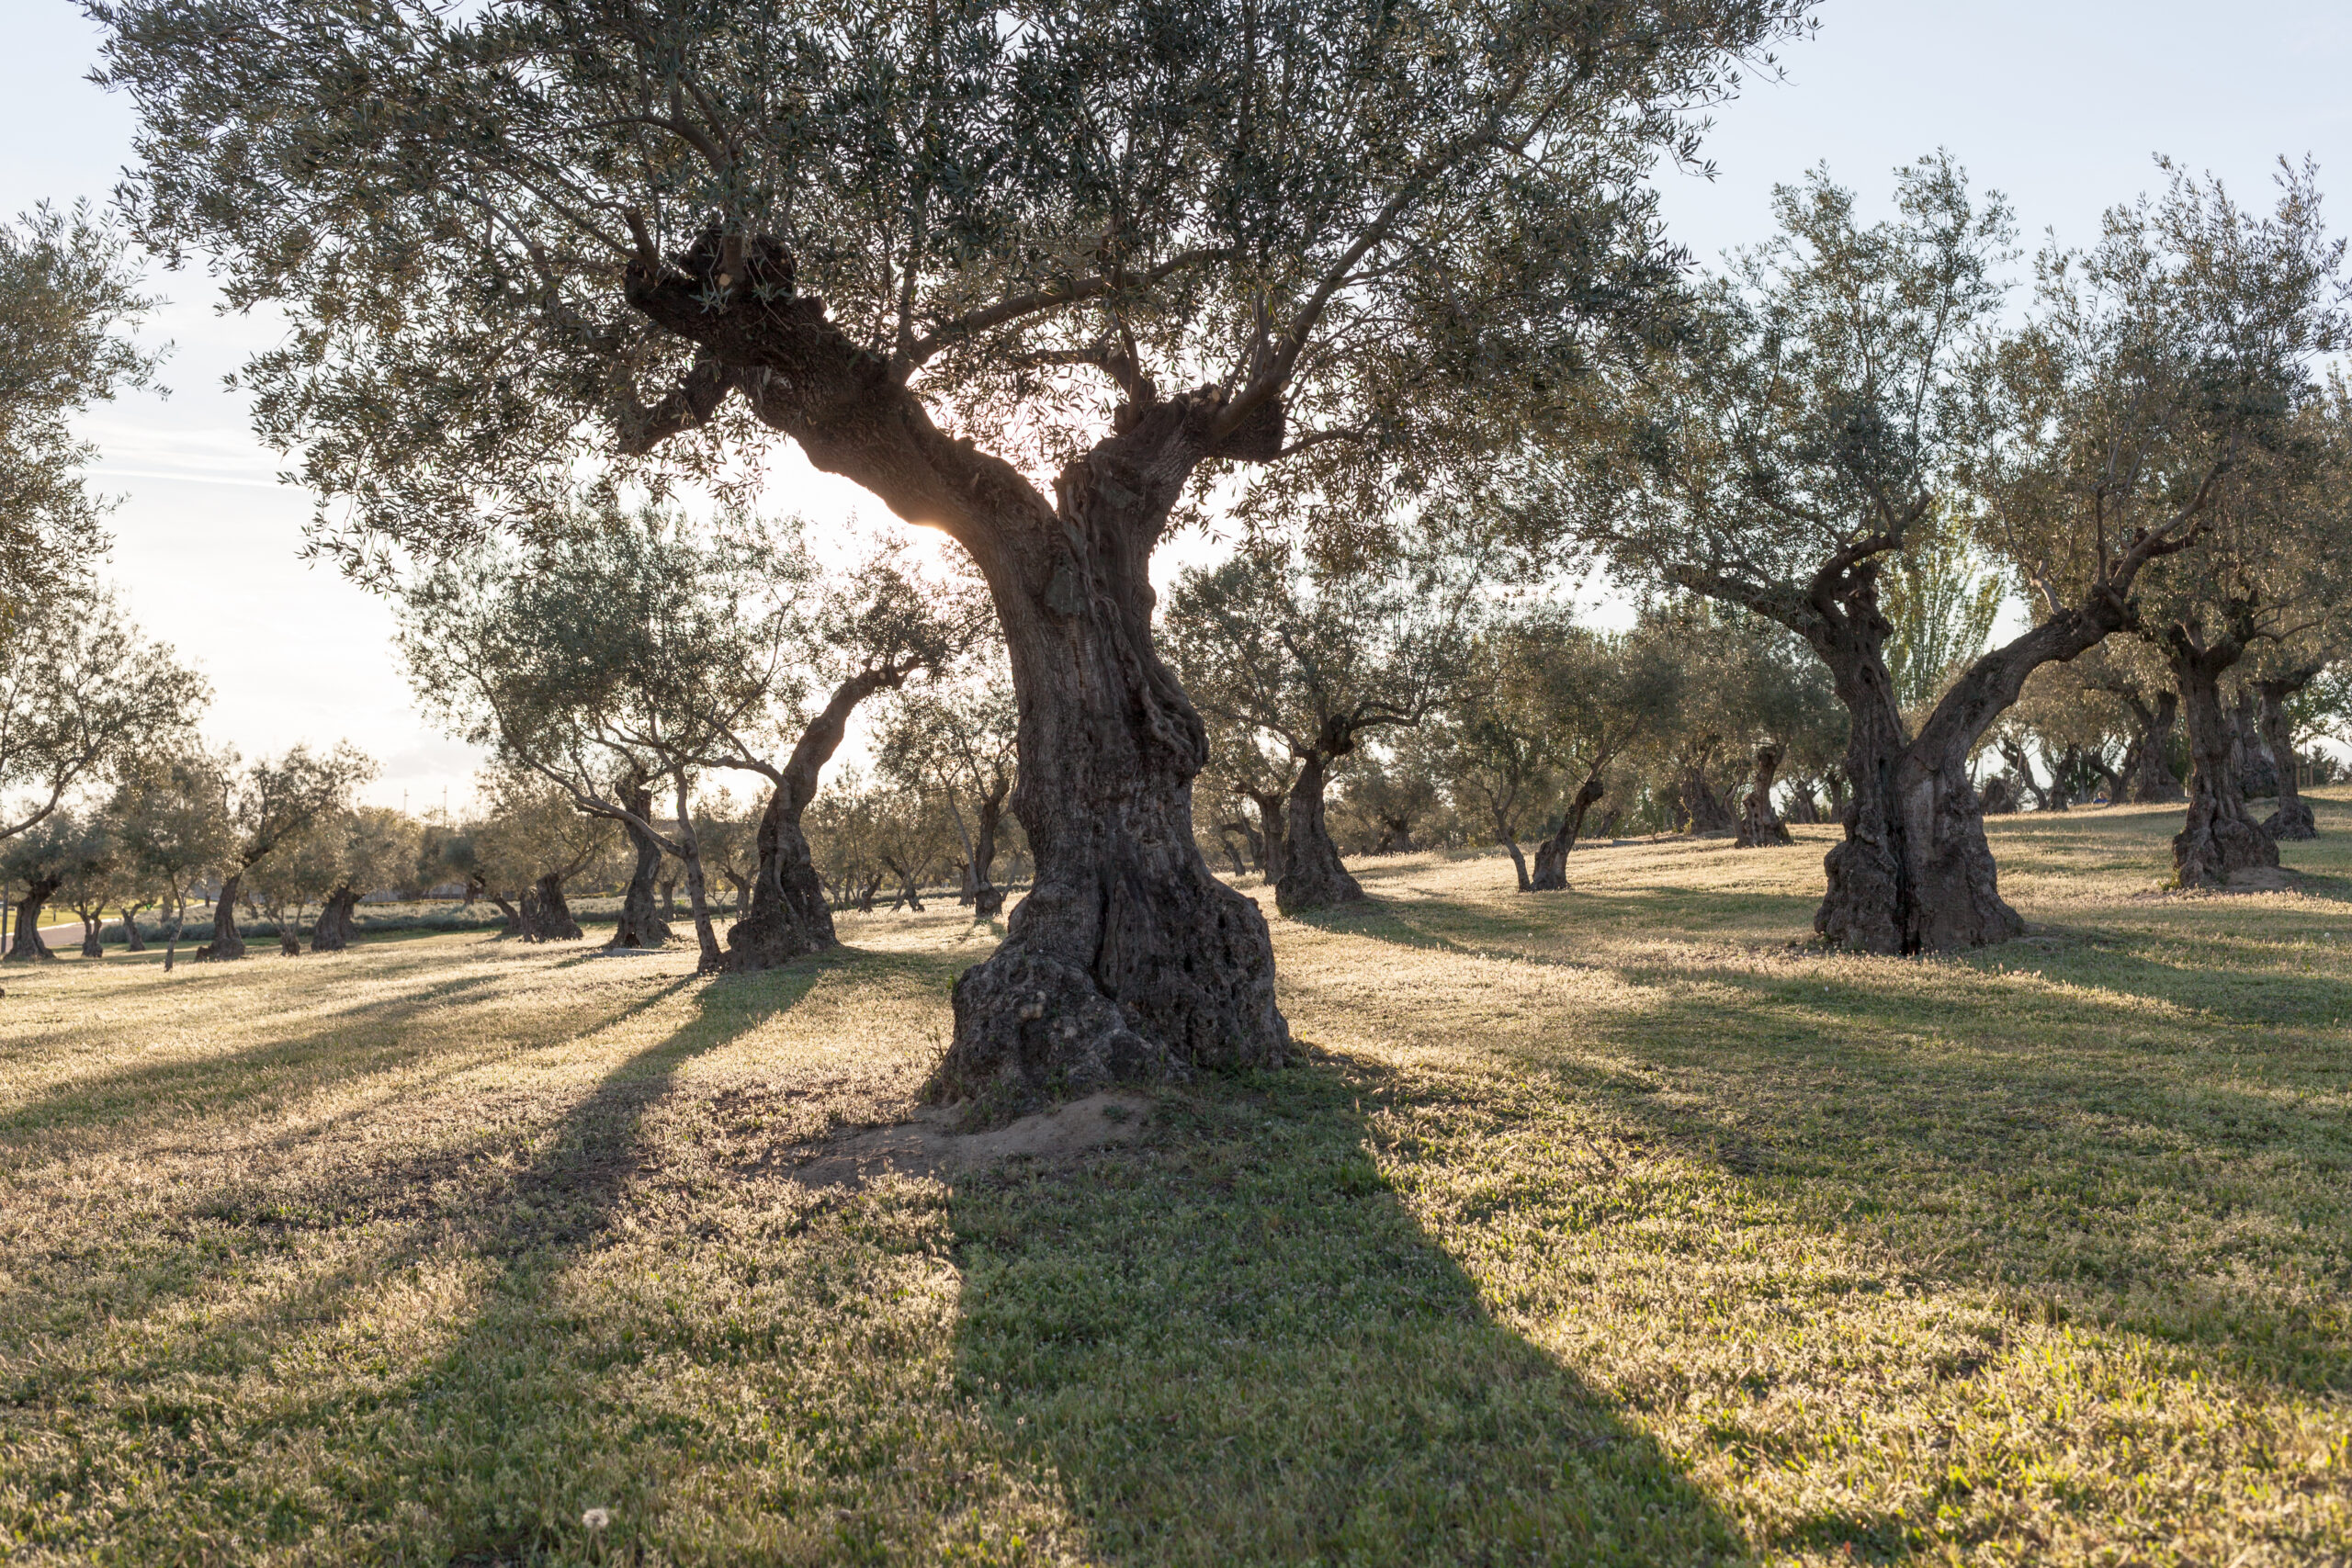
(1614,1226)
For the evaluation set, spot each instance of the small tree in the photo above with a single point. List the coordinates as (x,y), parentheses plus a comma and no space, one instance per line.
(532,841)
(171,814)
(80,700)
(1317,662)
(271,802)
(41,862)
(957,739)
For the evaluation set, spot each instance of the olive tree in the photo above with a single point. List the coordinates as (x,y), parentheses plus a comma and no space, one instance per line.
(1317,662)
(69,298)
(81,700)
(269,802)
(171,812)
(1021,273)
(959,738)
(531,840)
(2273,576)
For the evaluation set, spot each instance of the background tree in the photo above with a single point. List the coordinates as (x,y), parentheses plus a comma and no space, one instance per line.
(37,863)
(728,836)
(958,737)
(171,812)
(1327,232)
(530,841)
(269,802)
(80,699)
(2272,573)
(373,847)
(302,871)
(1316,660)
(69,299)
(872,630)
(617,653)
(101,876)
(1392,790)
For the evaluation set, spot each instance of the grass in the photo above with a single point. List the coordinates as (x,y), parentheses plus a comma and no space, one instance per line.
(1613,1227)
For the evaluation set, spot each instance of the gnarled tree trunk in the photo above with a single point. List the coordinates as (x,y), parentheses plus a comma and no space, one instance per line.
(2220,839)
(1759,825)
(638,925)
(226,943)
(335,927)
(552,918)
(2147,763)
(2294,819)
(1128,960)
(1312,876)
(132,941)
(1395,836)
(1703,811)
(1551,874)
(2250,760)
(93,922)
(790,913)
(988,814)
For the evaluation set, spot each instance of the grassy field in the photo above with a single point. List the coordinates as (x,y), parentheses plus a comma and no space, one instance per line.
(1617,1226)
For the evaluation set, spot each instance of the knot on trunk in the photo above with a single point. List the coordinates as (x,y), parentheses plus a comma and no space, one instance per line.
(1036,1028)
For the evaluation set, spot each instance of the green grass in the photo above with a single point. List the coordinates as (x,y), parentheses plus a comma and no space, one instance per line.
(1621,1226)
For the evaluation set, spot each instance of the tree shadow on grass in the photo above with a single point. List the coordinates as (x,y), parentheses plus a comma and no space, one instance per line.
(1234,1345)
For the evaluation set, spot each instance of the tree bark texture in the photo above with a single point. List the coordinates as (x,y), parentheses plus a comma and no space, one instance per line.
(2148,778)
(987,815)
(1551,874)
(1313,875)
(1128,960)
(2294,819)
(2250,760)
(2219,838)
(226,943)
(1759,825)
(92,924)
(132,941)
(29,945)
(546,916)
(336,926)
(639,925)
(1395,836)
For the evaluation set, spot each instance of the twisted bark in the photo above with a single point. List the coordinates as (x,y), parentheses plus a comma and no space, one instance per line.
(1312,876)
(2220,838)
(2294,819)
(1759,825)
(1128,960)
(1551,874)
(2148,778)
(638,925)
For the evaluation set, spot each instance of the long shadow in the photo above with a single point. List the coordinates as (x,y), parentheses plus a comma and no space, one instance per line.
(1235,1345)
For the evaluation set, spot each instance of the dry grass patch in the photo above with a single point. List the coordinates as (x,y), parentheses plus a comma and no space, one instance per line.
(1613,1227)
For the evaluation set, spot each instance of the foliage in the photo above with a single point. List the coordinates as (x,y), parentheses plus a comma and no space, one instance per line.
(81,700)
(69,298)
(1941,603)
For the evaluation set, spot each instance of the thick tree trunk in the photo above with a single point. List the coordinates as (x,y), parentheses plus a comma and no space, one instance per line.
(1128,960)
(711,959)
(1759,825)
(552,918)
(1225,836)
(789,914)
(514,921)
(1271,842)
(132,941)
(2021,768)
(1551,855)
(2250,761)
(226,944)
(1914,872)
(638,925)
(2147,772)
(93,922)
(335,927)
(1804,807)
(2294,819)
(1703,811)
(668,888)
(2220,839)
(1313,874)
(289,938)
(1395,837)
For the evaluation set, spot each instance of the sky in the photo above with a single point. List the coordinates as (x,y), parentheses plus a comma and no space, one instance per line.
(2060,105)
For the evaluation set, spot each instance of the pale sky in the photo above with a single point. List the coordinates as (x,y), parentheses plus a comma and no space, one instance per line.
(2059,104)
